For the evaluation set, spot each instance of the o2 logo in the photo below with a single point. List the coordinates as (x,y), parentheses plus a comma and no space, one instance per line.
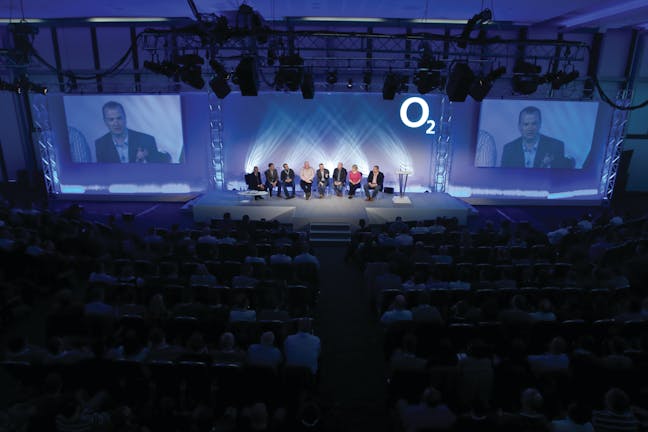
(425,115)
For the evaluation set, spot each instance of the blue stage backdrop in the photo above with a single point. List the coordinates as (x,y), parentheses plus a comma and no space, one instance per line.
(352,128)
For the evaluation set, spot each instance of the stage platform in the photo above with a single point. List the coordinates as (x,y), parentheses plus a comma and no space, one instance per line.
(330,209)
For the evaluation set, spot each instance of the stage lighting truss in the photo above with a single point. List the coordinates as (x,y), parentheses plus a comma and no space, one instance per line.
(23,85)
(178,43)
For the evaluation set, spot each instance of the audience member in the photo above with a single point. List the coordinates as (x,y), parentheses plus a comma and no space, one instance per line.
(617,415)
(303,348)
(429,414)
(397,311)
(264,353)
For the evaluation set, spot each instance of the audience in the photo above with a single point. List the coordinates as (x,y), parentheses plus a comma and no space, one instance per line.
(303,348)
(397,311)
(429,414)
(264,353)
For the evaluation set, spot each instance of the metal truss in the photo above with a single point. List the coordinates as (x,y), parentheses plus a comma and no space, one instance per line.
(442,149)
(614,146)
(217,163)
(44,140)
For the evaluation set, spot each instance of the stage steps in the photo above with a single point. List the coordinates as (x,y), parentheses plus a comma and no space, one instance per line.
(329,233)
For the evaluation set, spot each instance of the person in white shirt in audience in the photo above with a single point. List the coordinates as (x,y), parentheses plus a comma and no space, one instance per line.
(556,360)
(397,312)
(241,311)
(264,353)
(419,228)
(303,348)
(207,237)
(280,257)
(544,312)
(430,414)
(306,257)
(424,311)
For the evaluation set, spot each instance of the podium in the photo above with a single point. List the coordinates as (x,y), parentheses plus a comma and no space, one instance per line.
(401,199)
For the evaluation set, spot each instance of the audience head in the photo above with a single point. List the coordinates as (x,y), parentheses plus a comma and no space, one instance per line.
(545,306)
(54,345)
(431,397)
(227,341)
(196,343)
(258,416)
(267,338)
(531,400)
(156,304)
(617,401)
(156,337)
(399,302)
(519,302)
(558,345)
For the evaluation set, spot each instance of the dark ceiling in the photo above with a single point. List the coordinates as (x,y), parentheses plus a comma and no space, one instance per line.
(601,14)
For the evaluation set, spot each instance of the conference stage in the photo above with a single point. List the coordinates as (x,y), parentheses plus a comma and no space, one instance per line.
(330,209)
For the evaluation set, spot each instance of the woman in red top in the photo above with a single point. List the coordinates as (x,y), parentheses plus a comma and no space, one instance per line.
(355,177)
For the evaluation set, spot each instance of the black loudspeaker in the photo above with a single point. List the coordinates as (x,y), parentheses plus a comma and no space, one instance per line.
(388,190)
(308,86)
(246,74)
(459,82)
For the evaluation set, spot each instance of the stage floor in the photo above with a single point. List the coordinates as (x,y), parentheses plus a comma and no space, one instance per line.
(330,209)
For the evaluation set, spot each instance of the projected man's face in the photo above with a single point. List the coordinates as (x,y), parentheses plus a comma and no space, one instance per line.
(115,120)
(529,126)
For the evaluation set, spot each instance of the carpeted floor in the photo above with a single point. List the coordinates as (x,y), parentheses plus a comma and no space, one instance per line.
(352,382)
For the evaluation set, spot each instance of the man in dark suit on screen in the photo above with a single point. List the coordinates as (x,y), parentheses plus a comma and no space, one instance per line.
(123,145)
(532,149)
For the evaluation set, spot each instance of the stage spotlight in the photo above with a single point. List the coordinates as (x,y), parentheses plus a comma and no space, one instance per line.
(459,82)
(349,84)
(165,68)
(246,76)
(482,85)
(290,72)
(37,88)
(428,77)
(308,85)
(24,85)
(219,86)
(391,85)
(526,77)
(331,77)
(219,68)
(474,22)
(192,76)
(560,78)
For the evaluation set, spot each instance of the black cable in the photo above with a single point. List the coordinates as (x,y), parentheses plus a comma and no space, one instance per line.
(124,58)
(605,98)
